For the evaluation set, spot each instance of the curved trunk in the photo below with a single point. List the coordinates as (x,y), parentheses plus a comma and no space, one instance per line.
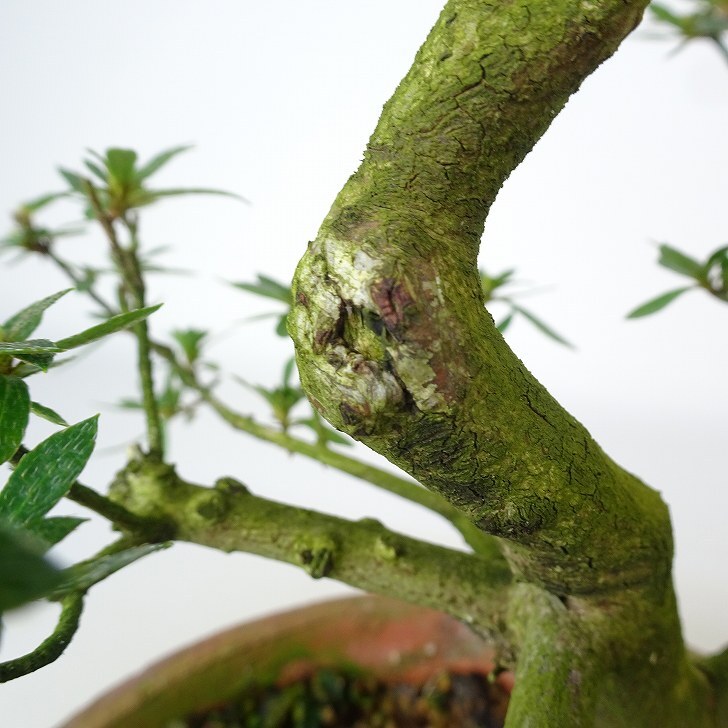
(395,347)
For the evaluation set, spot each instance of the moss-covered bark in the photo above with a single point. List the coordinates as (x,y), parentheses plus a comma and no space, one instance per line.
(364,553)
(395,348)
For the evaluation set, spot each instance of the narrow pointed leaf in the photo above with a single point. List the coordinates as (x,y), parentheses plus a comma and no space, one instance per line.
(662,13)
(75,181)
(14,412)
(24,574)
(46,473)
(542,327)
(40,202)
(25,322)
(505,323)
(657,304)
(157,194)
(32,363)
(159,161)
(83,576)
(268,288)
(33,346)
(282,326)
(53,530)
(47,414)
(37,352)
(680,263)
(288,371)
(95,169)
(110,326)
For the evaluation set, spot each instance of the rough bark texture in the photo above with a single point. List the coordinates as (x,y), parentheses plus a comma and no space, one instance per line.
(395,348)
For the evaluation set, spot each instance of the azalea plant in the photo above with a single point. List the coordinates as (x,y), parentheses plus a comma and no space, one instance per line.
(395,348)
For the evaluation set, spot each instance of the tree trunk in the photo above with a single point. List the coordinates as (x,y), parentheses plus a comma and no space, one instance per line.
(395,347)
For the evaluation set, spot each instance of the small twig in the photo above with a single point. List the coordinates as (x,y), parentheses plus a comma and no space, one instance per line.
(83,495)
(77,281)
(130,271)
(53,646)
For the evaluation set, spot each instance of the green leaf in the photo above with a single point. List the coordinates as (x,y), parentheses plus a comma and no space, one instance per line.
(95,169)
(37,352)
(46,473)
(81,577)
(159,161)
(282,326)
(288,371)
(24,574)
(268,288)
(505,323)
(491,284)
(680,263)
(52,530)
(541,326)
(129,404)
(25,322)
(158,194)
(190,341)
(110,326)
(76,182)
(34,346)
(14,413)
(34,363)
(47,414)
(121,164)
(657,304)
(663,14)
(40,202)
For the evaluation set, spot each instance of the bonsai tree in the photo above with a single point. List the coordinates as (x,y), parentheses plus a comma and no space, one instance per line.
(569,567)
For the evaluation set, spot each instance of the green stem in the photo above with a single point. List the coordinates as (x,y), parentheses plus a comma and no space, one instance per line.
(127,263)
(117,514)
(135,278)
(479,541)
(67,268)
(51,648)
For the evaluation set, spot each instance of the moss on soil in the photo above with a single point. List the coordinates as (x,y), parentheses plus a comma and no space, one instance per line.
(331,698)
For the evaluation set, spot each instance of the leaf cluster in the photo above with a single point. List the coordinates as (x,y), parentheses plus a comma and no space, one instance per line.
(708,20)
(710,275)
(121,181)
(43,476)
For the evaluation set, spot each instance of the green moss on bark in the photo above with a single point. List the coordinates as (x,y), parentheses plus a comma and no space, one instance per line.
(395,348)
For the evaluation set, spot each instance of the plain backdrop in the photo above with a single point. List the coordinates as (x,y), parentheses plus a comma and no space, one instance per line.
(279,99)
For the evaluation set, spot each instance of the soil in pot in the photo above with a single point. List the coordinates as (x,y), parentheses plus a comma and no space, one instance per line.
(346,698)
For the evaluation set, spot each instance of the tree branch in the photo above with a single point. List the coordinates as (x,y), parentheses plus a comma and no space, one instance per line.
(363,554)
(479,541)
(51,648)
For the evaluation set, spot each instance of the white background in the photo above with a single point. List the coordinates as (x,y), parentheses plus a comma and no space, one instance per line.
(279,98)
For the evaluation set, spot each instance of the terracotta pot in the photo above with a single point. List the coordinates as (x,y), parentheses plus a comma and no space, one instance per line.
(398,642)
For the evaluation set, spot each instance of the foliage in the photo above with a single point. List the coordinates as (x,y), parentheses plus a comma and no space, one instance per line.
(708,20)
(711,275)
